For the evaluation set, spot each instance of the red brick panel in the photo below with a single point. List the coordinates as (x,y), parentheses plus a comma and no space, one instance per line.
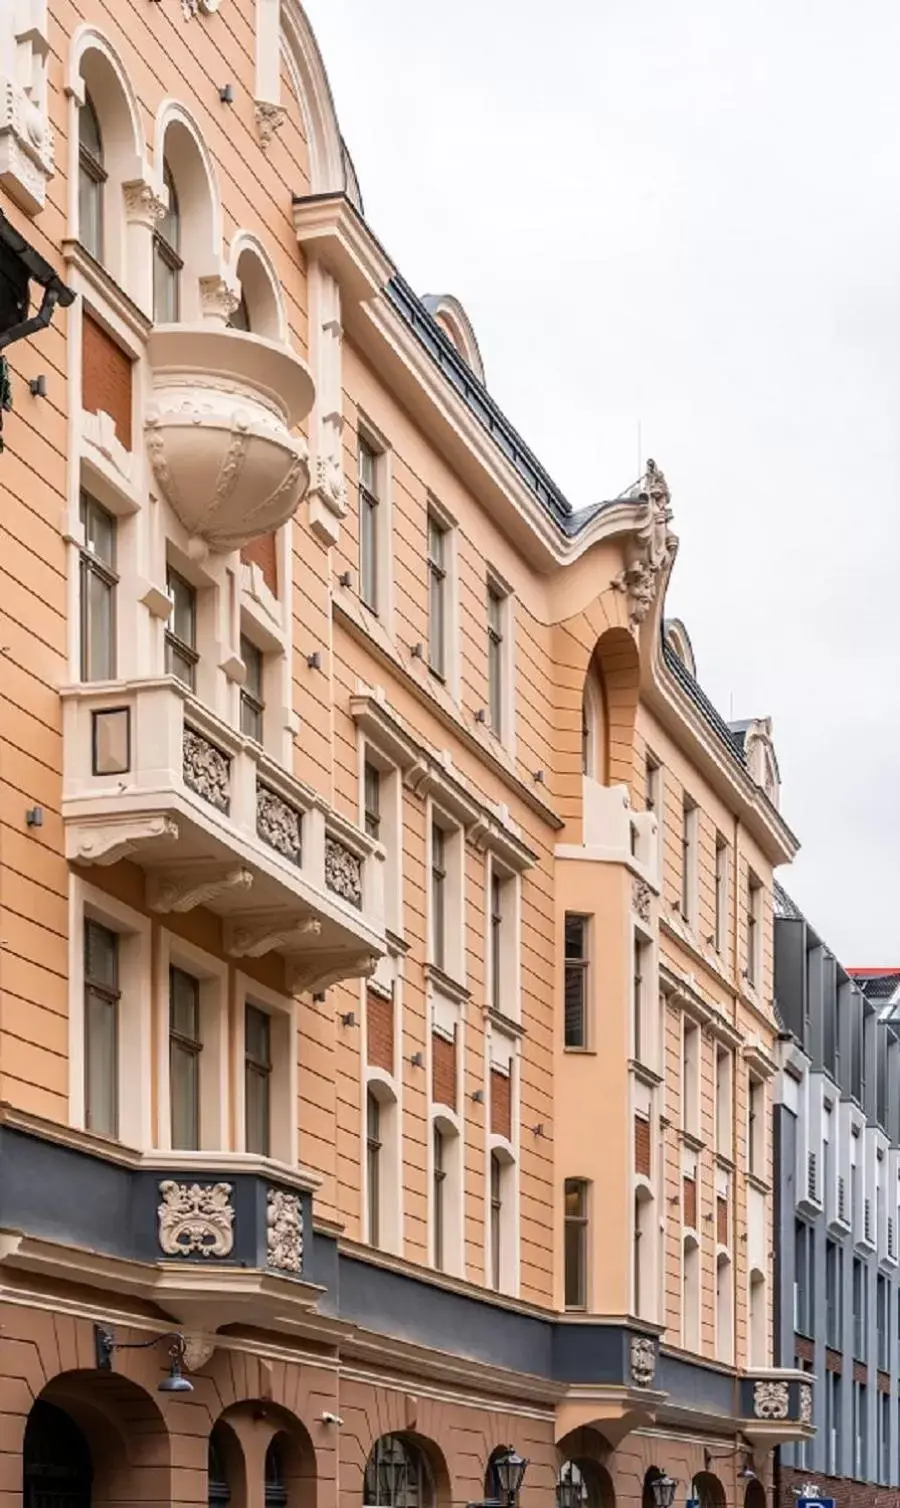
(501,1104)
(834,1361)
(443,1069)
(261,552)
(884,1382)
(804,1348)
(860,1372)
(106,378)
(380,1032)
(690,1202)
(642,1146)
(722,1220)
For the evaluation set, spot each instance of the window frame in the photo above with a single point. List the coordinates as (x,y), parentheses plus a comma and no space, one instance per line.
(690,822)
(496,599)
(111,994)
(577,967)
(372,815)
(576,1223)
(252,700)
(437,533)
(176,646)
(167,253)
(374,1151)
(92,174)
(720,920)
(92,566)
(193,1046)
(754,898)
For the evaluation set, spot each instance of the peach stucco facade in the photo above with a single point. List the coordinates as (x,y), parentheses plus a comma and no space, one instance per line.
(386,971)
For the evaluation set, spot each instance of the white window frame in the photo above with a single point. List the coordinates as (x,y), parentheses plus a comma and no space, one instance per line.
(383,607)
(503,1054)
(390,826)
(721,880)
(691,1292)
(449,675)
(725,1102)
(454,964)
(215,1097)
(690,817)
(724,1308)
(448,1123)
(390,1211)
(756,1127)
(510,1003)
(506,737)
(284,1088)
(134,1046)
(691,1034)
(754,939)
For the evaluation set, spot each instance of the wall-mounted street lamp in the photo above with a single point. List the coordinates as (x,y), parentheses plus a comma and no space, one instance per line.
(21,265)
(508,1469)
(105,1344)
(663,1489)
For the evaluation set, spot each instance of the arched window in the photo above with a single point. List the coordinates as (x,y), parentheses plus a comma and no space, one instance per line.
(758,1319)
(276,1491)
(261,310)
(397,1476)
(56,1461)
(690,1303)
(373,1165)
(584,1484)
(644,1254)
(91,178)
(594,752)
(167,263)
(218,1487)
(724,1310)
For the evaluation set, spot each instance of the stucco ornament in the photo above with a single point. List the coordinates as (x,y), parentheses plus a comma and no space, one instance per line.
(770,1400)
(284,1219)
(206,769)
(269,119)
(279,824)
(190,8)
(196,1219)
(640,899)
(343,871)
(142,203)
(653,546)
(805,1403)
(643,1361)
(330,483)
(198,1348)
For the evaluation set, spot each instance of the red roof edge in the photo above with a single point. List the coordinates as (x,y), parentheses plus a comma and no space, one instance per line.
(873,973)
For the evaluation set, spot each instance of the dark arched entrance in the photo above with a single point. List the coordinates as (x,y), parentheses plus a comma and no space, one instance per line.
(56,1461)
(218,1483)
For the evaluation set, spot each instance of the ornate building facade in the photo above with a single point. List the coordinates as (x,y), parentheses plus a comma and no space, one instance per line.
(386,1039)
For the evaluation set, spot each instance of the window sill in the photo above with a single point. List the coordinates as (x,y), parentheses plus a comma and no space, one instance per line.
(506,1023)
(446,983)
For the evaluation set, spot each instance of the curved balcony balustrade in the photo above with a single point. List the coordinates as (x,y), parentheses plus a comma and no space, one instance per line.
(153,776)
(219,430)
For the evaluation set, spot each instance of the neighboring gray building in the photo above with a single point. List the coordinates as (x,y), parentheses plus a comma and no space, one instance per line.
(837,1150)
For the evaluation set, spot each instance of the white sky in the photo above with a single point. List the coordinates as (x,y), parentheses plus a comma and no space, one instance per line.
(687,216)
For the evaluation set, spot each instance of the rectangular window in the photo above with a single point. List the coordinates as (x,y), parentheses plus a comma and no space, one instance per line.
(98,582)
(832,1421)
(690,1078)
(257,1077)
(440,1177)
(651,784)
(860,1413)
(804,1279)
(576,1243)
(638,998)
(438,895)
(496,1219)
(252,704)
(833,1295)
(372,799)
(181,633)
(576,981)
(860,1287)
(756,1127)
(437,596)
(754,930)
(882,1321)
(496,689)
(688,858)
(373,1165)
(101,1019)
(884,1437)
(724,1091)
(496,941)
(368,526)
(721,893)
(185,1047)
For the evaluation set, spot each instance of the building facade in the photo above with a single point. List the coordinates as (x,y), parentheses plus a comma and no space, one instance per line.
(386,913)
(837,1134)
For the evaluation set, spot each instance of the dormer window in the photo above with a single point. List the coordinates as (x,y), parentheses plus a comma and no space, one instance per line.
(167,263)
(91,178)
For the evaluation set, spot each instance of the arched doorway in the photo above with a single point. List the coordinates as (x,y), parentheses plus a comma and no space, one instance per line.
(218,1481)
(398,1475)
(583,1483)
(57,1470)
(708,1490)
(276,1481)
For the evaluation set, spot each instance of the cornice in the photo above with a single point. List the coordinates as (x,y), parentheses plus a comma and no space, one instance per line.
(331,230)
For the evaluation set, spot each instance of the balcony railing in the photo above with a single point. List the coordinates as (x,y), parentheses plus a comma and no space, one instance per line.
(152,775)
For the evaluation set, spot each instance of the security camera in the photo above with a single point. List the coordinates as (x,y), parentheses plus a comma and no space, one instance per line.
(328,1418)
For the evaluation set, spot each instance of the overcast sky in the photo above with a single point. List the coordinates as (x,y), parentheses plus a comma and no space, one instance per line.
(685,219)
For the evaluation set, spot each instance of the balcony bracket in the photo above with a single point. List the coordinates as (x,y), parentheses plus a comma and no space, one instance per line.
(181,889)
(108,839)
(254,936)
(317,971)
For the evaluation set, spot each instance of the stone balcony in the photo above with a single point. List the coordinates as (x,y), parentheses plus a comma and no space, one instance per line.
(152,776)
(777,1406)
(219,430)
